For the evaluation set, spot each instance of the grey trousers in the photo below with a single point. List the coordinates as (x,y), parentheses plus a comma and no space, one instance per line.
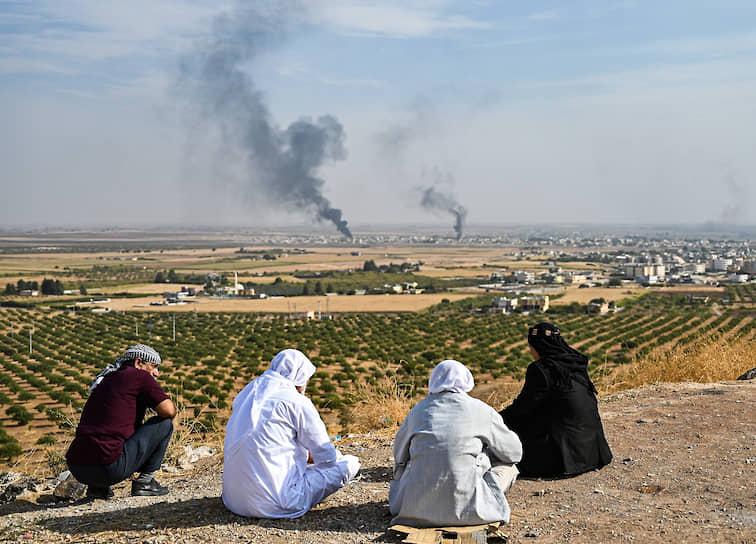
(142,452)
(506,474)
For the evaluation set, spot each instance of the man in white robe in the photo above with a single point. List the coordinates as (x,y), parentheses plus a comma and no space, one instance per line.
(272,430)
(453,457)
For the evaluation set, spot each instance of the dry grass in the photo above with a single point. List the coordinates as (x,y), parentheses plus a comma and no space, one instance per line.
(709,360)
(499,395)
(189,430)
(383,406)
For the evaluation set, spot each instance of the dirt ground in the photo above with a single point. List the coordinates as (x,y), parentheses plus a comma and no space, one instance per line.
(683,471)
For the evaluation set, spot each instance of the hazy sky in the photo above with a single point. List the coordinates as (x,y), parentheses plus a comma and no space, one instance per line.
(534,112)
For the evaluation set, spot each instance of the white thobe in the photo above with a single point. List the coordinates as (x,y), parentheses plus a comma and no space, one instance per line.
(443,454)
(265,471)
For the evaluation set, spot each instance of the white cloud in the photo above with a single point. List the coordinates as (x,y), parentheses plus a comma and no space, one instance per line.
(546,15)
(300,71)
(107,28)
(702,47)
(405,19)
(18,65)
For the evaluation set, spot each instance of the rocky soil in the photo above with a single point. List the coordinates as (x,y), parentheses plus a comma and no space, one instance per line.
(684,470)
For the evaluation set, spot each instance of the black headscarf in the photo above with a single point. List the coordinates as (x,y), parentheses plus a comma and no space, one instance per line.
(565,361)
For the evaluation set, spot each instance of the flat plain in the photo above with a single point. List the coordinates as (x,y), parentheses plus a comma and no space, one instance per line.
(52,346)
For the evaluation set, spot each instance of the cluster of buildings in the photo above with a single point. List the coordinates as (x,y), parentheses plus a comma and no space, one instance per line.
(677,269)
(523,304)
(405,288)
(644,269)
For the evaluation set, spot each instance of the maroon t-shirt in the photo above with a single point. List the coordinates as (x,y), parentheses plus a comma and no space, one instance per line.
(113,412)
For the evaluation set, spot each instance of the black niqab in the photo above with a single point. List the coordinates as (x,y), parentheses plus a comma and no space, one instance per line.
(559,356)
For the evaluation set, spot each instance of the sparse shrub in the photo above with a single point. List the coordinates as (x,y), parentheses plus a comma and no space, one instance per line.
(46,440)
(19,414)
(9,446)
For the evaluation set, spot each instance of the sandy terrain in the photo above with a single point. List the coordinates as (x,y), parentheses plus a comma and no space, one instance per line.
(583,296)
(683,472)
(341,303)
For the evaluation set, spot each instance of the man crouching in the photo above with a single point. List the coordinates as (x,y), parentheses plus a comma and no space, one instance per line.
(111,440)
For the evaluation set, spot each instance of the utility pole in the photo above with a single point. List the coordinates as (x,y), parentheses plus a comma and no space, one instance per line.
(136,327)
(319,315)
(174,328)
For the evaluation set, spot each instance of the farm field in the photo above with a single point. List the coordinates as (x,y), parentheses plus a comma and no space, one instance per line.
(215,354)
(299,304)
(48,357)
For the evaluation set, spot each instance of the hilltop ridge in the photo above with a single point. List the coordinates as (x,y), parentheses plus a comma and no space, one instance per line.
(683,470)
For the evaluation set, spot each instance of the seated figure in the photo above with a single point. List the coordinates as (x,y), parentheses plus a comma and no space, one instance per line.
(272,432)
(453,457)
(112,441)
(556,413)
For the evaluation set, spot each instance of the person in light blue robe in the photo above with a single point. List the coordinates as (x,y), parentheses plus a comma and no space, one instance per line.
(453,457)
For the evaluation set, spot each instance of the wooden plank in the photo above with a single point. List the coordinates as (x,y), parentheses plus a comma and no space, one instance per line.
(471,534)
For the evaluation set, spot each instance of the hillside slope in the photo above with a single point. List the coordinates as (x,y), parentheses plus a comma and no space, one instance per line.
(684,470)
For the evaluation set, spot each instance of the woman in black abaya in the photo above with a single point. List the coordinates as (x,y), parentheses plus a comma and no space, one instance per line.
(556,413)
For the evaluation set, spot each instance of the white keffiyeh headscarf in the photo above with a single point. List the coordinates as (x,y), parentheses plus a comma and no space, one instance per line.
(139,351)
(450,375)
(293,365)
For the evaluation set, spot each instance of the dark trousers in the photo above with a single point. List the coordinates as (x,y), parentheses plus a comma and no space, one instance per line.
(142,452)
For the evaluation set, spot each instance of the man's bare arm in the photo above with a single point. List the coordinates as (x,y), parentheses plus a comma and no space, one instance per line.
(166,409)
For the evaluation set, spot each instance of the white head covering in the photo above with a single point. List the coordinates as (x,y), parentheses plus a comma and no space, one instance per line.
(450,375)
(288,369)
(293,365)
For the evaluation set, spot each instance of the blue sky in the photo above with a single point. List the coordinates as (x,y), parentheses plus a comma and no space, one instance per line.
(528,112)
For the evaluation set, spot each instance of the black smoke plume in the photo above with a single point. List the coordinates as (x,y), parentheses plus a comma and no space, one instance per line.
(281,164)
(433,199)
(737,196)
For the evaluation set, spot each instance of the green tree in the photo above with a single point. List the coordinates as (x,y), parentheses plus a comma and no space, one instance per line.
(159,277)
(172,276)
(51,287)
(9,446)
(370,266)
(19,414)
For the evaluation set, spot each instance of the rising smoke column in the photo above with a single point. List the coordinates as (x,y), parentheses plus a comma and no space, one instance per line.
(433,199)
(281,164)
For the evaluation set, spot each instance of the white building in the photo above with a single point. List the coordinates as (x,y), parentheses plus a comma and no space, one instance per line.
(503,305)
(720,264)
(694,268)
(738,278)
(644,273)
(523,276)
